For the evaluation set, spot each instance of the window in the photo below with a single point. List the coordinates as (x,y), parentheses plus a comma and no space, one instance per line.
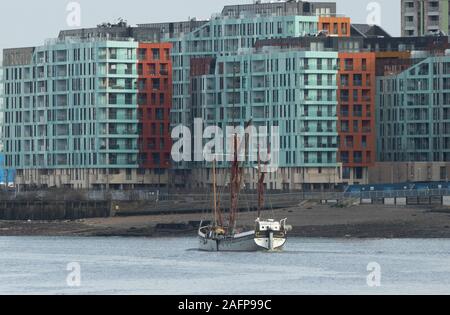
(357,110)
(160,114)
(355,126)
(357,80)
(155,53)
(348,64)
(443,173)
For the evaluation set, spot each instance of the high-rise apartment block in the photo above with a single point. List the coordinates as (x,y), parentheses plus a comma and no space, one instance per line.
(88,113)
(356,96)
(291,7)
(154,105)
(294,91)
(422,17)
(414,112)
(70,113)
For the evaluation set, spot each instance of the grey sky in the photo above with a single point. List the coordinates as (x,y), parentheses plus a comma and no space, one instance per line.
(29,23)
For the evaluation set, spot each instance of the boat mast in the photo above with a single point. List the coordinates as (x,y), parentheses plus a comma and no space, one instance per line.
(234,187)
(235,181)
(215,192)
(261,178)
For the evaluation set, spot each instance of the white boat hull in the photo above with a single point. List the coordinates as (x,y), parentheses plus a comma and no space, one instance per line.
(267,244)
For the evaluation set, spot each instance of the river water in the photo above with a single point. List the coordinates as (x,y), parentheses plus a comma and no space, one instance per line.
(39,265)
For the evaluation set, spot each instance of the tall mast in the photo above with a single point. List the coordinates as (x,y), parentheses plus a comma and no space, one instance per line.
(235,185)
(215,192)
(261,178)
(235,182)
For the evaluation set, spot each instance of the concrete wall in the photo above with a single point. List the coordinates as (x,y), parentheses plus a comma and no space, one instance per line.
(401,172)
(90,178)
(283,179)
(53,210)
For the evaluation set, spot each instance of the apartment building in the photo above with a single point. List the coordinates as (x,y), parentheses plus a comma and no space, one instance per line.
(356,100)
(147,32)
(423,17)
(356,97)
(71,115)
(226,36)
(413,112)
(335,26)
(280,8)
(154,106)
(235,39)
(292,90)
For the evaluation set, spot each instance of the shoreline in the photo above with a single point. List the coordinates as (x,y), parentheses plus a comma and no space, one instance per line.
(311,221)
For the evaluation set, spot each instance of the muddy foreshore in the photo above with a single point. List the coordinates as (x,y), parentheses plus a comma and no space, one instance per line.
(368,221)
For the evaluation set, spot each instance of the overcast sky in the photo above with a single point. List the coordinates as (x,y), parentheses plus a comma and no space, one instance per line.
(29,23)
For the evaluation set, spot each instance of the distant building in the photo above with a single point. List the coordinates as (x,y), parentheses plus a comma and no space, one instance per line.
(413,112)
(95,108)
(294,90)
(356,112)
(150,32)
(154,105)
(424,17)
(279,8)
(71,115)
(368,31)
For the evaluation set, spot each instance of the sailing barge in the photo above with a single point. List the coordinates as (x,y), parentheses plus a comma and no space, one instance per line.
(268,235)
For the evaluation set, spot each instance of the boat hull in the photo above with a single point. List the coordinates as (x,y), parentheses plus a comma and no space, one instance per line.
(239,243)
(276,244)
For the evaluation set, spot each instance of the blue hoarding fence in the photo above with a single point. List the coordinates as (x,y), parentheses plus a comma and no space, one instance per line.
(7,176)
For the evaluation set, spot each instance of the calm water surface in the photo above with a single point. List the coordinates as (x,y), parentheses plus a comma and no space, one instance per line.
(37,265)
